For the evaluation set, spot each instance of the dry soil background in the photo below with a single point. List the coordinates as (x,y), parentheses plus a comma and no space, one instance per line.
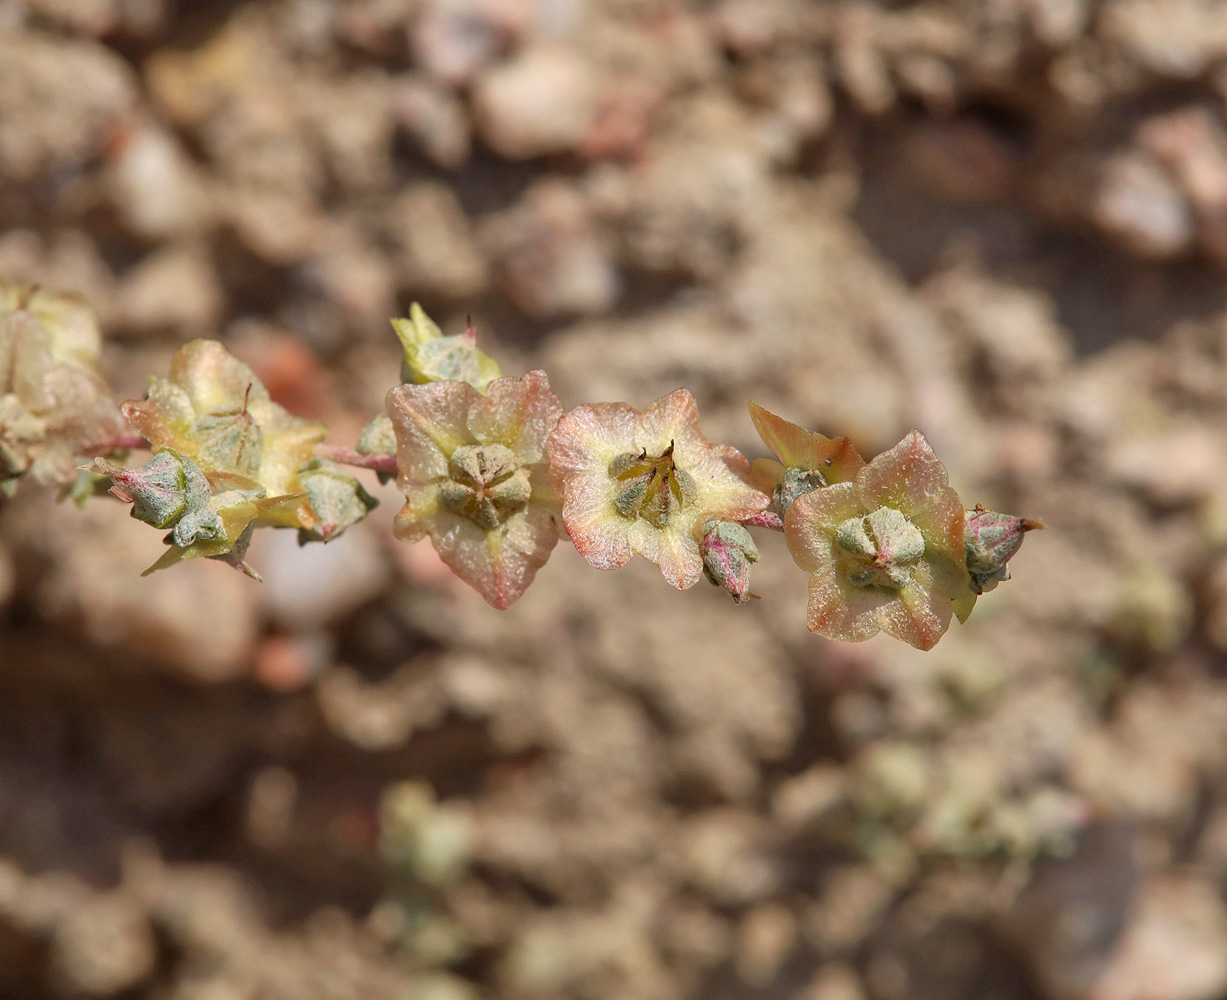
(1001,221)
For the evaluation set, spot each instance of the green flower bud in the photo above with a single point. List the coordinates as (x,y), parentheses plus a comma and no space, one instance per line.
(652,486)
(728,550)
(882,547)
(487,484)
(432,357)
(991,540)
(335,501)
(200,525)
(162,491)
(796,482)
(378,438)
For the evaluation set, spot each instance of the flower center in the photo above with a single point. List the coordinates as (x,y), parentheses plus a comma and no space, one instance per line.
(486,484)
(651,487)
(880,548)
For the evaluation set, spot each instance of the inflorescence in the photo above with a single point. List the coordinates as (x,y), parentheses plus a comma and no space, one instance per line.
(495,470)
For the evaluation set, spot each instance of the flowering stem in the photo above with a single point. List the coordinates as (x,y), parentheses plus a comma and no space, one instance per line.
(765,519)
(347,456)
(119,442)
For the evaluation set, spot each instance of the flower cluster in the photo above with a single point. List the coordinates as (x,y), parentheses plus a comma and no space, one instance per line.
(495,471)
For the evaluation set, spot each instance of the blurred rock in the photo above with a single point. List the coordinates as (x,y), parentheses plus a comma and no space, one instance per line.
(1175,39)
(89,17)
(157,190)
(436,118)
(307,585)
(200,622)
(104,948)
(351,119)
(1174,947)
(455,39)
(962,162)
(767,935)
(554,260)
(60,100)
(1140,205)
(440,255)
(174,289)
(384,715)
(834,981)
(541,101)
(351,272)
(1069,918)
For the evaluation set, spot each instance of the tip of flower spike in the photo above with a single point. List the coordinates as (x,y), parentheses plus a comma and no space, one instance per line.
(728,551)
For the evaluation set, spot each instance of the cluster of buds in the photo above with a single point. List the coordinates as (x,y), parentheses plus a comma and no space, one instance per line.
(495,471)
(215,417)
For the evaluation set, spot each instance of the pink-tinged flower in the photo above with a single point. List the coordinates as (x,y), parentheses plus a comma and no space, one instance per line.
(885,551)
(474,477)
(645,483)
(807,459)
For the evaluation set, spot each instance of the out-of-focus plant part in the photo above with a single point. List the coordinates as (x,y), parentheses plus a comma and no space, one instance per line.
(54,403)
(432,357)
(807,460)
(429,840)
(473,473)
(1152,610)
(645,483)
(885,551)
(910,804)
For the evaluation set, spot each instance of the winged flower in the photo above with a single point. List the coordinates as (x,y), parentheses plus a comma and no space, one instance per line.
(807,460)
(884,551)
(646,483)
(473,472)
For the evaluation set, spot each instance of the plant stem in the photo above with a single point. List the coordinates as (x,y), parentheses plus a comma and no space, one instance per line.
(347,456)
(765,519)
(118,442)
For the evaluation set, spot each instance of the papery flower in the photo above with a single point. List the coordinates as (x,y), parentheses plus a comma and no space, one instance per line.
(432,357)
(54,403)
(646,483)
(885,551)
(215,411)
(474,477)
(807,460)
